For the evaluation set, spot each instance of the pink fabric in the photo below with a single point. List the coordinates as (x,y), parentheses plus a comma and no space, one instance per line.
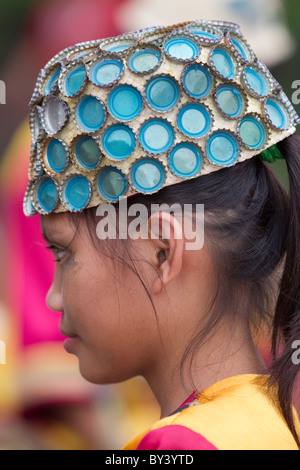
(190,399)
(174,437)
(29,270)
(40,324)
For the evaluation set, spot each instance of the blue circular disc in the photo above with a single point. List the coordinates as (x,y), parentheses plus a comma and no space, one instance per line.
(125,102)
(257,81)
(182,48)
(74,80)
(77,193)
(222,148)
(240,47)
(52,81)
(185,160)
(121,47)
(202,33)
(230,100)
(144,60)
(47,195)
(162,93)
(91,114)
(119,142)
(157,136)
(112,184)
(194,120)
(56,155)
(106,72)
(223,63)
(252,132)
(197,81)
(148,175)
(87,152)
(277,114)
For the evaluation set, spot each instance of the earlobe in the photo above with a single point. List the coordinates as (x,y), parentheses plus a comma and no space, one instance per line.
(166,234)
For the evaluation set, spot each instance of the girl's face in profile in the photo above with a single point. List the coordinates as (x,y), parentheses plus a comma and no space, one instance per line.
(107,317)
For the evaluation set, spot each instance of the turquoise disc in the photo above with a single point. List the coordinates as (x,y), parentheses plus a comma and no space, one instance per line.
(77,192)
(119,142)
(197,81)
(185,160)
(74,80)
(162,93)
(182,48)
(120,47)
(112,184)
(47,195)
(91,114)
(223,63)
(277,114)
(52,81)
(203,34)
(157,136)
(106,72)
(87,152)
(194,120)
(252,132)
(256,81)
(222,148)
(230,100)
(145,60)
(240,47)
(56,155)
(148,175)
(125,103)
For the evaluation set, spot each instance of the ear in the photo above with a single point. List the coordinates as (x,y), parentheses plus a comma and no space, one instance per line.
(166,234)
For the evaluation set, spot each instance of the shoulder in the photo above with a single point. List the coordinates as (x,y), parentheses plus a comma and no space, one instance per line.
(242,417)
(174,437)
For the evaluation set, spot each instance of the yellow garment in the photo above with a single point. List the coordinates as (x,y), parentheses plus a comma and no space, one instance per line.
(236,413)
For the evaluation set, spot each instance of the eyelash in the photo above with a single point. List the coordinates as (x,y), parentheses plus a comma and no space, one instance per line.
(56,252)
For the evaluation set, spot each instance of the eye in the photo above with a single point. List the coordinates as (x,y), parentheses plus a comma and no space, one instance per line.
(59,253)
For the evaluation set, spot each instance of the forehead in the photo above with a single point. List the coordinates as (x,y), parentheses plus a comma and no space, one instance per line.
(56,226)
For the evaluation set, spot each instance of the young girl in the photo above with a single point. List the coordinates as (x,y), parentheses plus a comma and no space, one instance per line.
(174,118)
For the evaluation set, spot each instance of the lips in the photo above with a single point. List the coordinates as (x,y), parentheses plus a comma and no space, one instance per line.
(71,339)
(71,344)
(67,333)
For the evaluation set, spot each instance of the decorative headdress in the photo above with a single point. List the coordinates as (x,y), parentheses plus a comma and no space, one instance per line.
(132,114)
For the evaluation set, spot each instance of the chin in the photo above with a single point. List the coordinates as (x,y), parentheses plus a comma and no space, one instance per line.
(97,375)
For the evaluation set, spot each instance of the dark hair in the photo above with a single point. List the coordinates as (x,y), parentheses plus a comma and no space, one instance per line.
(252,230)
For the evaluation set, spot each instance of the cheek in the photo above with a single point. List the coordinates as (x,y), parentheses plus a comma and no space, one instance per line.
(116,324)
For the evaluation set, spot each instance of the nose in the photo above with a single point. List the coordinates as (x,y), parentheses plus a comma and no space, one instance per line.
(54,297)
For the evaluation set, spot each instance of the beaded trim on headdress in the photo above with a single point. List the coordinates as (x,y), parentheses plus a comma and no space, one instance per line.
(133,114)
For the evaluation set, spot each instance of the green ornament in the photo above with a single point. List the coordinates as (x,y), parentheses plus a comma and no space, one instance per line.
(271,154)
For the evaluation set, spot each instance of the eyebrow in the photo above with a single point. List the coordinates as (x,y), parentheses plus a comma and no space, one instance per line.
(54,236)
(49,235)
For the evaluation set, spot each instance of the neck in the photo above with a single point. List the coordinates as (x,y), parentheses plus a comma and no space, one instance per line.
(218,359)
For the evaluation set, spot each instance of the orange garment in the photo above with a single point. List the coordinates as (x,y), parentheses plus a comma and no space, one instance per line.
(236,413)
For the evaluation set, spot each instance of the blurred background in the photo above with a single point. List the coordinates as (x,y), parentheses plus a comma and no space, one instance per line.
(44,403)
